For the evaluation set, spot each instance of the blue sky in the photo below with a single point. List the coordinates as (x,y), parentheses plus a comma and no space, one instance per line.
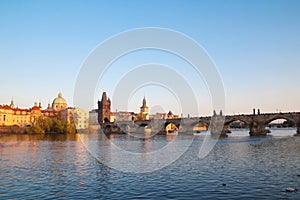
(254,44)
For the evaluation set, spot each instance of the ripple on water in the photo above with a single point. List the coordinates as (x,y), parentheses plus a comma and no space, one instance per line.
(259,168)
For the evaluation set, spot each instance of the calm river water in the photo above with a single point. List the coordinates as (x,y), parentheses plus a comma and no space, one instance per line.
(60,167)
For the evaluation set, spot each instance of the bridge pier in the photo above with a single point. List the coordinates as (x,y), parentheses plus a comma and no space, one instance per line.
(257,129)
(225,131)
(298,129)
(217,126)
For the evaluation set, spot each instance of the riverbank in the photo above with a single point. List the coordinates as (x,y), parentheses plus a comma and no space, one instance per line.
(14,130)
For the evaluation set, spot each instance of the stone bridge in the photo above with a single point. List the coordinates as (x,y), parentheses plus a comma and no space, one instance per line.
(258,123)
(217,124)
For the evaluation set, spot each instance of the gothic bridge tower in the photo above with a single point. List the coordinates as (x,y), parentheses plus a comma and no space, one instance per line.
(104,109)
(144,113)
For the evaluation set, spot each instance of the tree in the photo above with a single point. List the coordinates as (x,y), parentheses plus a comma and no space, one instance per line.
(52,125)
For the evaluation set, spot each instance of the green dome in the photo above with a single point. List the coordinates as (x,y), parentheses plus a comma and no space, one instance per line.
(59,100)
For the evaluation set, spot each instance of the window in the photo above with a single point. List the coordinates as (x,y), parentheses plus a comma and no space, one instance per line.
(4,117)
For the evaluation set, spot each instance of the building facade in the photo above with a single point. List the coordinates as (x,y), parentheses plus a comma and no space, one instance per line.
(76,116)
(123,116)
(10,116)
(81,118)
(93,117)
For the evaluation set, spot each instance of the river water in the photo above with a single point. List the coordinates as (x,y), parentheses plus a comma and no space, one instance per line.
(61,167)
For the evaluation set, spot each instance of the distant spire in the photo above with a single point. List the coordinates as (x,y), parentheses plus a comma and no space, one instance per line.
(12,105)
(144,102)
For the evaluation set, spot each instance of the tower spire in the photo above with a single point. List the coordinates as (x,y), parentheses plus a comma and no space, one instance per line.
(144,110)
(144,102)
(12,105)
(104,97)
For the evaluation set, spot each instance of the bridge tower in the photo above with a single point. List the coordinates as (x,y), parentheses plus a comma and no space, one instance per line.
(144,113)
(104,109)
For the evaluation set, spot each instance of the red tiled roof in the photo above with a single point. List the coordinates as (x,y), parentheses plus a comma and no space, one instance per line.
(7,107)
(35,108)
(22,111)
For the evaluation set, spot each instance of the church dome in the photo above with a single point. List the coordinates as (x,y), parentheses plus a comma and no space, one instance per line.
(59,99)
(59,103)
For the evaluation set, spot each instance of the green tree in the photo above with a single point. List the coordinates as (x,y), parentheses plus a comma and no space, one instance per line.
(52,125)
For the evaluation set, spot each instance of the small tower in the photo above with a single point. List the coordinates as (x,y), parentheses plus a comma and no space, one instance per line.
(12,105)
(104,109)
(144,110)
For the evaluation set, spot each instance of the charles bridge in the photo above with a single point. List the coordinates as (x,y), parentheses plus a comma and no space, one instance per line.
(217,123)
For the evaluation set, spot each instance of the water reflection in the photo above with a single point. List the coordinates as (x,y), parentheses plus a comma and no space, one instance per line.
(34,167)
(130,154)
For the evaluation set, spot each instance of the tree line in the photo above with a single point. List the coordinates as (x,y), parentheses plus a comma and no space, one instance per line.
(52,125)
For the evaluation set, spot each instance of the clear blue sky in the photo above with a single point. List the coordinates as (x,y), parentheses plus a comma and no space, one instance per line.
(255,45)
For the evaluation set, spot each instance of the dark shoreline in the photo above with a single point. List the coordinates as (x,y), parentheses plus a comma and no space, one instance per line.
(14,129)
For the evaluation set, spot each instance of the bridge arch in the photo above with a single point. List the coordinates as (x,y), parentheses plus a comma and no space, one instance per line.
(245,119)
(171,127)
(205,122)
(273,118)
(236,123)
(107,129)
(240,121)
(200,125)
(143,124)
(106,120)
